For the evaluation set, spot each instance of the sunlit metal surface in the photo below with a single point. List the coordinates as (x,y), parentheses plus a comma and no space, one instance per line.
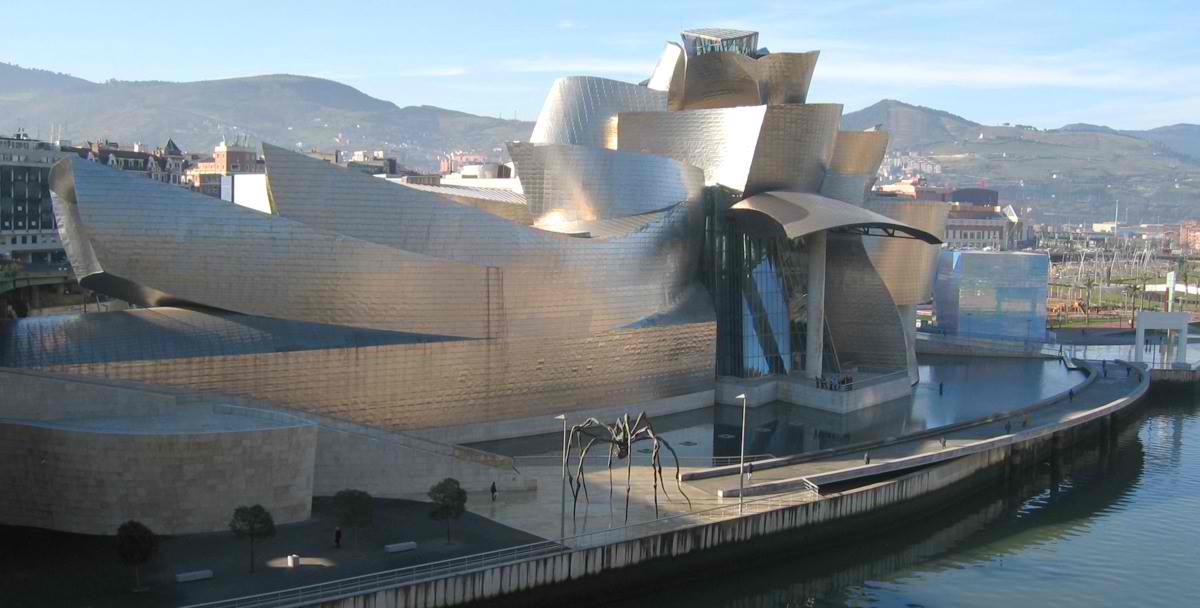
(581,183)
(502,203)
(730,79)
(383,381)
(668,72)
(907,266)
(862,318)
(153,244)
(797,214)
(542,281)
(751,149)
(418,307)
(859,152)
(578,109)
(567,322)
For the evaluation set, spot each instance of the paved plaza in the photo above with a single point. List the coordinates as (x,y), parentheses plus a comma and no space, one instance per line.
(70,570)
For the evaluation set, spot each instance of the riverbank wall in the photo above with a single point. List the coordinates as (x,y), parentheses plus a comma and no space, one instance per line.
(594,575)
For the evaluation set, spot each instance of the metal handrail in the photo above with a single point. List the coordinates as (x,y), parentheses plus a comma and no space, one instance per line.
(602,459)
(368,583)
(865,382)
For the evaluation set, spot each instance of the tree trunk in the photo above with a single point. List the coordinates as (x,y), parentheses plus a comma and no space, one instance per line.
(137,577)
(447,531)
(251,554)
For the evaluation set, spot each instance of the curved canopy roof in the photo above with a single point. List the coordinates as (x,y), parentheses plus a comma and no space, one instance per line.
(796,214)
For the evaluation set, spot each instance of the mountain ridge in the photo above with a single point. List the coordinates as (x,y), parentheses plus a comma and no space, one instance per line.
(1075,167)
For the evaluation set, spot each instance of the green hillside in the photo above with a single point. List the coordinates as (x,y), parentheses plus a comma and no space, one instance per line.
(1079,171)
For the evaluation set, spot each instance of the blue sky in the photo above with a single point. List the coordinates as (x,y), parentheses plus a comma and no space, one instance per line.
(1125,64)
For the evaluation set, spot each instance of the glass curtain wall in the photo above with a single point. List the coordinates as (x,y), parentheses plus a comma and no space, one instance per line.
(759,287)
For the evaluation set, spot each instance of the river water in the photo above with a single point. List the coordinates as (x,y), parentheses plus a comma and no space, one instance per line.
(1116,524)
(952,389)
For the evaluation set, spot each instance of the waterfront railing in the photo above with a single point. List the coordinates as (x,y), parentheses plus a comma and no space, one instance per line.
(369,583)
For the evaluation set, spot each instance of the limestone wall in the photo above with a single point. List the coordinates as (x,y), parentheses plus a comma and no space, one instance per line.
(89,483)
(86,456)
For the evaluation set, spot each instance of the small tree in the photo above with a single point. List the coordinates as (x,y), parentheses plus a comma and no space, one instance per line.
(136,545)
(254,523)
(449,502)
(354,508)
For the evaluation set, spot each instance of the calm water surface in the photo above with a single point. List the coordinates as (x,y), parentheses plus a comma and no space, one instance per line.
(952,389)
(1107,525)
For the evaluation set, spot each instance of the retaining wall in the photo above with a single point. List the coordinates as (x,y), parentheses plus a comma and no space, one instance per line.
(541,580)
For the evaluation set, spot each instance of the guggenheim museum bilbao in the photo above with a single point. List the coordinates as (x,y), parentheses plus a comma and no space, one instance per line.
(702,234)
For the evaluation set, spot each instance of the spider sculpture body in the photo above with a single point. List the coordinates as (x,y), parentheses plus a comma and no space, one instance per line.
(620,438)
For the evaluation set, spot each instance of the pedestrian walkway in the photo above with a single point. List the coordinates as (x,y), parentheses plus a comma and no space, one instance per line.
(1102,390)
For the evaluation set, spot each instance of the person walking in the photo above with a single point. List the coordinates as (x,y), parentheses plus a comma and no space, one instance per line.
(749,471)
(493,491)
(337,537)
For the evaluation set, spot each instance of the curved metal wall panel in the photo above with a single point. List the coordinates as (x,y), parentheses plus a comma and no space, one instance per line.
(545,283)
(859,152)
(862,318)
(728,80)
(721,142)
(501,203)
(720,80)
(794,147)
(565,183)
(908,266)
(578,109)
(785,77)
(421,386)
(668,72)
(796,214)
(750,149)
(190,247)
(850,189)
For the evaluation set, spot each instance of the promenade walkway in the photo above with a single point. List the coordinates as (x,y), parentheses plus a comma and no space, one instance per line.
(783,476)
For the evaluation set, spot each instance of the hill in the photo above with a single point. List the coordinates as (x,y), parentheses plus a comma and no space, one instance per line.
(1079,171)
(909,126)
(281,108)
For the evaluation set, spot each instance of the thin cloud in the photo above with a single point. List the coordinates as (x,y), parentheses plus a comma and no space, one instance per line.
(567,24)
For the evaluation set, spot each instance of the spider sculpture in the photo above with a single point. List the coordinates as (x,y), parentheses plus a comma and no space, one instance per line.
(620,438)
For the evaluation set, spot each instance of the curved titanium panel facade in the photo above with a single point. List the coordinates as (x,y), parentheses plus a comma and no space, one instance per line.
(907,266)
(398,384)
(501,203)
(542,282)
(862,318)
(848,188)
(785,77)
(720,80)
(751,149)
(668,72)
(859,152)
(729,79)
(565,183)
(578,109)
(193,248)
(797,214)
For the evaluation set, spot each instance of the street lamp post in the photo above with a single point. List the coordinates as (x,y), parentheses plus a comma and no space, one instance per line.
(742,466)
(562,516)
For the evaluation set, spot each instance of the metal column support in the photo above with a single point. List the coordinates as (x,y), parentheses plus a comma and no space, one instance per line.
(815,346)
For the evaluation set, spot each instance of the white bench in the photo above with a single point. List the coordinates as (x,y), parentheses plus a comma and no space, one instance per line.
(400,547)
(197,575)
